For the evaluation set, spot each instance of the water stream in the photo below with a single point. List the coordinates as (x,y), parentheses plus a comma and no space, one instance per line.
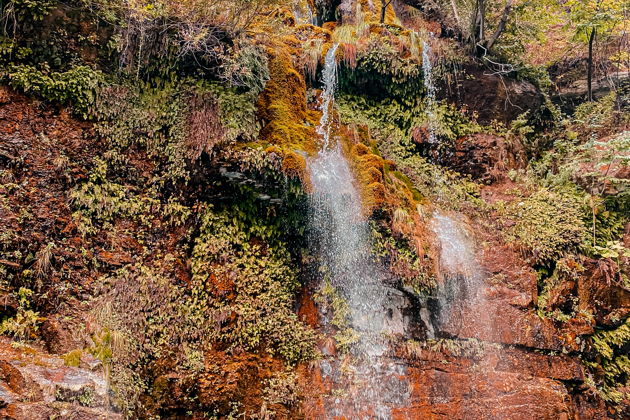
(429,86)
(462,279)
(371,383)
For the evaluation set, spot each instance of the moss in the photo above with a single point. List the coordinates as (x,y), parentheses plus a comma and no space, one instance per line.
(282,105)
(294,165)
(73,358)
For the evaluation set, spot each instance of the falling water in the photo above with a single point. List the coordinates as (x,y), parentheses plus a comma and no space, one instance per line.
(305,14)
(341,234)
(329,78)
(427,71)
(462,279)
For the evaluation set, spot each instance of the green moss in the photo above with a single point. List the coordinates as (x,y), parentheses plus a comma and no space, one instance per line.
(73,358)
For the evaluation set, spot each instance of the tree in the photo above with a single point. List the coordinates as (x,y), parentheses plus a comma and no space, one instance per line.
(593,19)
(482,45)
(479,22)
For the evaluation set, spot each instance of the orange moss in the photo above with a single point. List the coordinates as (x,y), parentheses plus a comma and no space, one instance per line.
(282,105)
(294,165)
(375,194)
(369,170)
(308,31)
(374,175)
(390,165)
(329,26)
(360,149)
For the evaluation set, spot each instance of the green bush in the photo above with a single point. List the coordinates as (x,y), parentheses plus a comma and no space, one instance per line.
(547,224)
(264,285)
(76,87)
(34,10)
(612,362)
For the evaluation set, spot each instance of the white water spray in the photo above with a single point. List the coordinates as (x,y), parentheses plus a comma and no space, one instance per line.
(329,78)
(304,14)
(462,280)
(341,235)
(427,71)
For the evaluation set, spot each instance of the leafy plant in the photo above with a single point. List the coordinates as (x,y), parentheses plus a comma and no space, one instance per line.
(25,324)
(613,362)
(76,87)
(547,224)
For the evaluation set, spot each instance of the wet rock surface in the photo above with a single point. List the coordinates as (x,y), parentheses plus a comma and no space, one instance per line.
(36,385)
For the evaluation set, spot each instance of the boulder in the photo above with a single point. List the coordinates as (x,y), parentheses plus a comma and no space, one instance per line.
(36,385)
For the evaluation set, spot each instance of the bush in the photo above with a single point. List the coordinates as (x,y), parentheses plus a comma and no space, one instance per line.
(25,324)
(263,284)
(76,87)
(547,224)
(613,362)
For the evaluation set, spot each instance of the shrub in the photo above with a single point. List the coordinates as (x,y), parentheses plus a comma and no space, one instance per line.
(263,284)
(76,87)
(613,362)
(547,224)
(25,324)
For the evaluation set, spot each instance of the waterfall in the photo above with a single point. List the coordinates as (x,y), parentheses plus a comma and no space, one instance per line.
(306,16)
(329,78)
(462,280)
(341,236)
(427,71)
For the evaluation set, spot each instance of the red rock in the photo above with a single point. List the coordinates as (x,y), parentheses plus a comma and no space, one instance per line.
(486,157)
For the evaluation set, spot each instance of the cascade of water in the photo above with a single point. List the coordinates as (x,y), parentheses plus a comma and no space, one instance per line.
(329,78)
(427,71)
(306,16)
(462,278)
(342,237)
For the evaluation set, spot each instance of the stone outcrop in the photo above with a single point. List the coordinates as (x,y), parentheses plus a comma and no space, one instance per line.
(487,158)
(492,96)
(35,385)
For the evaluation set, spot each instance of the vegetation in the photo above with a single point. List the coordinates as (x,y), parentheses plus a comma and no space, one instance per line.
(166,222)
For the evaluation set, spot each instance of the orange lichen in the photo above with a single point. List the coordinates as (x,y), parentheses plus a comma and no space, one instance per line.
(282,105)
(330,26)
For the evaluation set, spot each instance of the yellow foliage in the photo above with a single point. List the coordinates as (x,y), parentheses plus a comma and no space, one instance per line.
(282,105)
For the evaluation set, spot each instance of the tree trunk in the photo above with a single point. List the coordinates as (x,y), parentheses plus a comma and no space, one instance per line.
(589,76)
(501,27)
(482,19)
(478,27)
(455,13)
(384,9)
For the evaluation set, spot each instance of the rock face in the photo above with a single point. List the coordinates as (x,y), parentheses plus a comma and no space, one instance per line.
(486,157)
(492,96)
(35,385)
(494,357)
